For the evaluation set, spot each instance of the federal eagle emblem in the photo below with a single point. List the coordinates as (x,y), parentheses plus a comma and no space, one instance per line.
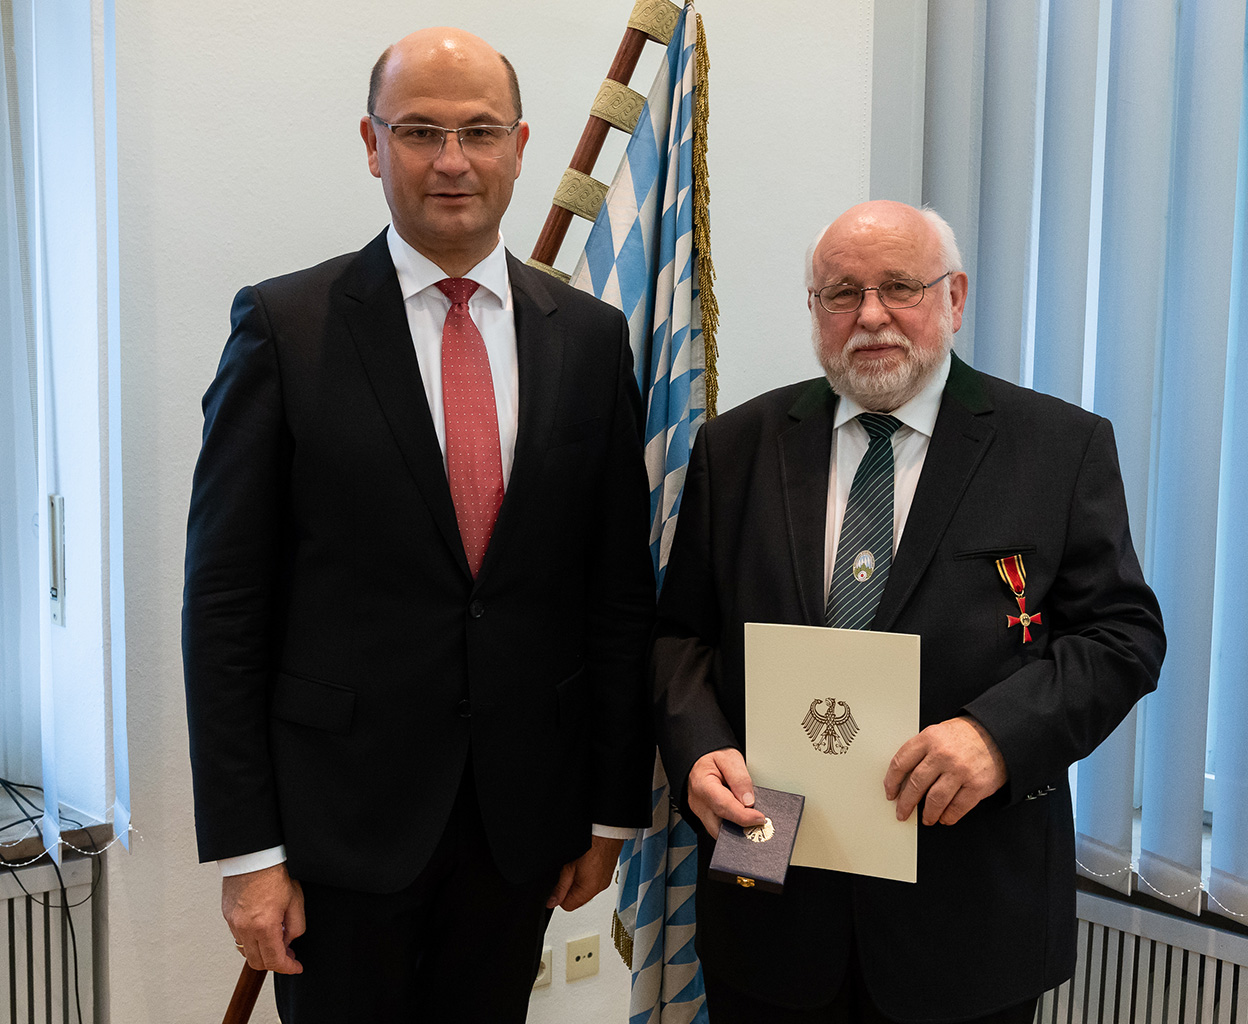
(760,833)
(832,730)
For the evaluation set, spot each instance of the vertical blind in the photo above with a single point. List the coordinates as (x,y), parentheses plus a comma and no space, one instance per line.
(62,692)
(1105,218)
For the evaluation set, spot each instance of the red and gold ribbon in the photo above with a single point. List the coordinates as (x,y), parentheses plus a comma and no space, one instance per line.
(1014,576)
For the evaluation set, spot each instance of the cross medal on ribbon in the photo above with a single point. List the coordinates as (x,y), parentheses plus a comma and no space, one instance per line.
(1015,577)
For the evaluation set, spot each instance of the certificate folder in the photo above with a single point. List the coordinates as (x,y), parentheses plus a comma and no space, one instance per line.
(825,711)
(758,857)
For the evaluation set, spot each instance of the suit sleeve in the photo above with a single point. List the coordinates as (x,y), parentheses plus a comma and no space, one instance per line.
(232,578)
(1107,640)
(621,615)
(684,667)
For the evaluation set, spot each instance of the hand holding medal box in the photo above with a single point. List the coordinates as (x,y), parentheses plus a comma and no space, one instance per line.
(759,856)
(825,711)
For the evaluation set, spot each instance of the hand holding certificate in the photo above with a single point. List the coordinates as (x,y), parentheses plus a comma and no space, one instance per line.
(951,766)
(826,710)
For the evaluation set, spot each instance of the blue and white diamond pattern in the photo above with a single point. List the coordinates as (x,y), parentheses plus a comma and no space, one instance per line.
(640,258)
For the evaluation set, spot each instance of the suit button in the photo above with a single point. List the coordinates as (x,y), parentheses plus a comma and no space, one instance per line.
(464,709)
(476,609)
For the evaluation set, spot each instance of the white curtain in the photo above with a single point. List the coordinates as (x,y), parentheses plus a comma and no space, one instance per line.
(20,603)
(1102,208)
(62,695)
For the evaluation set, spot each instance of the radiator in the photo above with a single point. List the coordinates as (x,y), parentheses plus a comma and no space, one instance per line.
(36,951)
(1137,966)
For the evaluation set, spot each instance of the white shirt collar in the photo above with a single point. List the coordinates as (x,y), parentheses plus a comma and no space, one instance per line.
(417,272)
(919,414)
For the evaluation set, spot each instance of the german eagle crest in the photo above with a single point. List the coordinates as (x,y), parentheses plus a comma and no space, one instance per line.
(832,730)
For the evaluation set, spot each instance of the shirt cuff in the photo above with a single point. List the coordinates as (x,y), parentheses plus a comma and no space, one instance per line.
(248,862)
(613,832)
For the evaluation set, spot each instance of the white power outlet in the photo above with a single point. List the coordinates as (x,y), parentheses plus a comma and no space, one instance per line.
(582,957)
(544,970)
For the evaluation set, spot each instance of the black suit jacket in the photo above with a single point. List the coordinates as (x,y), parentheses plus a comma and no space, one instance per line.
(990,921)
(340,660)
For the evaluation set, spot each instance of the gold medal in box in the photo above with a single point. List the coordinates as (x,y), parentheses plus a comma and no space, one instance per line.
(757,857)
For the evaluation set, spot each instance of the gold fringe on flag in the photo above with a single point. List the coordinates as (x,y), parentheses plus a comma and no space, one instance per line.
(623,941)
(702,219)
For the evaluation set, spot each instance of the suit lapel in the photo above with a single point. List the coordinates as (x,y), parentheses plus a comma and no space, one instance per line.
(805,455)
(539,354)
(372,306)
(963,433)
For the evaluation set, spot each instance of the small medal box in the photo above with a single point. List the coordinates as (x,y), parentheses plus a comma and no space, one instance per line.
(758,857)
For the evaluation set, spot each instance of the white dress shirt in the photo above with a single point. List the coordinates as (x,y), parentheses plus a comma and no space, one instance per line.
(849,445)
(491,310)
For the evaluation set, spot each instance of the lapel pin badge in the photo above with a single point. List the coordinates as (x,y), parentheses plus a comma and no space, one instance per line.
(864,566)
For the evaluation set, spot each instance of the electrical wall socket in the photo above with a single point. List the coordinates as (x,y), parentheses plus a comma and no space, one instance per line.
(545,970)
(582,958)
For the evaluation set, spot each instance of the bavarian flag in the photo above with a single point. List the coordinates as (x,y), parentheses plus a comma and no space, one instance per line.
(648,254)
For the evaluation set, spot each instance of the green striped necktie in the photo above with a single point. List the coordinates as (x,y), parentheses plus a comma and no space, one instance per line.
(865,549)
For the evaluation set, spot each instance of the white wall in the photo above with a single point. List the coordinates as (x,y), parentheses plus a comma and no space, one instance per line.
(239,158)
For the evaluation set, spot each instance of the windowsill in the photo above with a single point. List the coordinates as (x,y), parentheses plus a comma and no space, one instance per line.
(1141,899)
(91,837)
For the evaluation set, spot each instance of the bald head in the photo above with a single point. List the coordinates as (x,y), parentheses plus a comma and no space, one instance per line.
(441,48)
(902,221)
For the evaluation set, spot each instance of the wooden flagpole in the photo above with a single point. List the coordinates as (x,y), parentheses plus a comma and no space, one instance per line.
(615,106)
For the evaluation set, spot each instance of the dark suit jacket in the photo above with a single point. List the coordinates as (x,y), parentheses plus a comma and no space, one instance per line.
(990,921)
(340,660)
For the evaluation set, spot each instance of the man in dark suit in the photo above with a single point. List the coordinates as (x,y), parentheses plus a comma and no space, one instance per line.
(418,586)
(1010,556)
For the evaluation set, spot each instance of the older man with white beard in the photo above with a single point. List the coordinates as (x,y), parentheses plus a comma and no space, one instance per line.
(1002,539)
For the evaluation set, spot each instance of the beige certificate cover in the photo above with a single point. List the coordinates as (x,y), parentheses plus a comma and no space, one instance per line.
(825,710)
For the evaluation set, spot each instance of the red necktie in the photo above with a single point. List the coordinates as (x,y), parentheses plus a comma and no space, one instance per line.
(474,464)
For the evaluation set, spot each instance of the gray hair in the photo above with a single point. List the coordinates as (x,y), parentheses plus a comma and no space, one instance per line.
(810,256)
(950,254)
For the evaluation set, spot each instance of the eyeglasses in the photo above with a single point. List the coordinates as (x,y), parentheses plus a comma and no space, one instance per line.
(481,141)
(899,293)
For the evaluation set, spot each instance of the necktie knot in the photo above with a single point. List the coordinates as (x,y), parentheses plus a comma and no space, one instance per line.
(879,425)
(458,289)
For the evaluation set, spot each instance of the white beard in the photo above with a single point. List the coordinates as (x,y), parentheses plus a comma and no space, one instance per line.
(883,387)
